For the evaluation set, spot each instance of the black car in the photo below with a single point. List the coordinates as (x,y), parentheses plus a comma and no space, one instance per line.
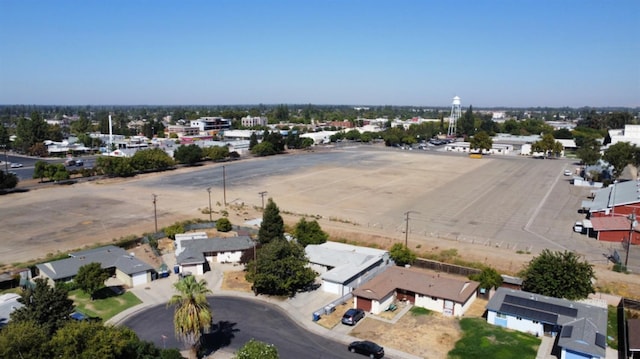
(366,347)
(352,316)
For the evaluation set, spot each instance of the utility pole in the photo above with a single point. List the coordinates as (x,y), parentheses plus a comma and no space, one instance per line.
(406,230)
(632,218)
(155,212)
(262,194)
(209,191)
(224,186)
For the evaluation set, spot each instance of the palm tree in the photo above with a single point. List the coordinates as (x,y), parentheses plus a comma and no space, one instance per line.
(193,315)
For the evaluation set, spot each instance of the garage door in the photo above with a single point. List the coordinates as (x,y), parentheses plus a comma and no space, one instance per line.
(364,304)
(139,278)
(575,355)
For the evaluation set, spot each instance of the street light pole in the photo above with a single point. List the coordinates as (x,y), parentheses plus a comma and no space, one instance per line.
(632,219)
(155,212)
(209,191)
(262,195)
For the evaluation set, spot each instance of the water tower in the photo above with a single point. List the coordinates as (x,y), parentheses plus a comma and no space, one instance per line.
(456,112)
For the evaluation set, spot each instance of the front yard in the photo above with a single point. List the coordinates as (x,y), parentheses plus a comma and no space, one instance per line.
(483,340)
(107,306)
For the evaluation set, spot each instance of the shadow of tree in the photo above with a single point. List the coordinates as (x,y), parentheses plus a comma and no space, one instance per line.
(218,337)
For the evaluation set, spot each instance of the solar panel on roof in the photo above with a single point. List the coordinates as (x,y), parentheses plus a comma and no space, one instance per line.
(540,305)
(529,313)
(601,341)
(566,331)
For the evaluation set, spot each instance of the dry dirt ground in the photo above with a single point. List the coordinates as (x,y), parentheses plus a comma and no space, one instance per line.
(58,219)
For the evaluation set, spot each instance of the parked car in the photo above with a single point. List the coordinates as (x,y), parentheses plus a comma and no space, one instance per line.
(79,163)
(366,347)
(567,172)
(16,165)
(352,316)
(578,227)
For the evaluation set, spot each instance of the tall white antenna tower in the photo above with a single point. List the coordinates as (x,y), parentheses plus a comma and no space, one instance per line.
(456,112)
(110,135)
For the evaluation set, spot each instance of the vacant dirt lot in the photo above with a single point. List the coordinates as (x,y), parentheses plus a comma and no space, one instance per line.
(496,211)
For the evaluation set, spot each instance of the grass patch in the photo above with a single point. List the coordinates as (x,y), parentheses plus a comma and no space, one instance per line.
(612,327)
(107,306)
(416,311)
(483,340)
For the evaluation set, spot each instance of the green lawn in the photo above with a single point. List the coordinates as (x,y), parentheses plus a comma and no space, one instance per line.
(106,307)
(483,340)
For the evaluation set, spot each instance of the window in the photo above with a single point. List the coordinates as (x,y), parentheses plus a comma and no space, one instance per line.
(501,315)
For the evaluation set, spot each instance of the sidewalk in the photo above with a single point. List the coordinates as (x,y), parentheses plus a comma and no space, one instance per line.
(300,308)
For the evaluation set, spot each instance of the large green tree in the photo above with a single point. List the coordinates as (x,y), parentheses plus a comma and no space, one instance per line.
(280,269)
(619,156)
(47,306)
(466,123)
(263,149)
(547,145)
(309,232)
(151,160)
(216,153)
(24,340)
(192,316)
(560,275)
(189,154)
(272,226)
(589,152)
(489,278)
(481,141)
(401,254)
(91,278)
(255,349)
(7,180)
(115,166)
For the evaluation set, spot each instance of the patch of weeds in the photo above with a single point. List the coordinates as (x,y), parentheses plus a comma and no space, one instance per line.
(416,311)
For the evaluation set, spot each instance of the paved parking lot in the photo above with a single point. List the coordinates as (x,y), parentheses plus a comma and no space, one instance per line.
(517,203)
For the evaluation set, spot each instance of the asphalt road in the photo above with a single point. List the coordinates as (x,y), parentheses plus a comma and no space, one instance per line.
(236,321)
(28,164)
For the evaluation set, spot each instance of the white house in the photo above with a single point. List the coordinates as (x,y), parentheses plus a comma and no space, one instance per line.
(496,148)
(195,255)
(127,268)
(582,327)
(422,288)
(343,267)
(8,303)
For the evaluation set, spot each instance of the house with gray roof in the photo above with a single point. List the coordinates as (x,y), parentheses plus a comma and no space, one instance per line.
(126,267)
(194,255)
(610,209)
(422,288)
(343,267)
(582,328)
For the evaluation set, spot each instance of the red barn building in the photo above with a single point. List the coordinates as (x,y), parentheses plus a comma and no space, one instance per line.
(613,212)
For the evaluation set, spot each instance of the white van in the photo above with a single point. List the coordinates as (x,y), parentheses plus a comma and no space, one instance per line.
(578,227)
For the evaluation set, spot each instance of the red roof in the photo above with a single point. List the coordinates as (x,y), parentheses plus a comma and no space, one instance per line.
(615,223)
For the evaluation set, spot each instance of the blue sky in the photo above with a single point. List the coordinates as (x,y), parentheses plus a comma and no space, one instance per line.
(511,53)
